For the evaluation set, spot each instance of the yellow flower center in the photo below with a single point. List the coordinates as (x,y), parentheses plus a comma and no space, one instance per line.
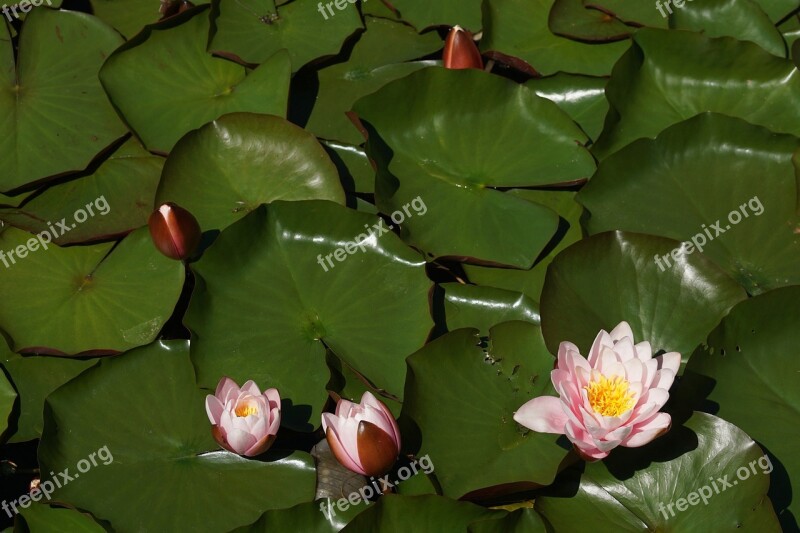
(246,409)
(610,397)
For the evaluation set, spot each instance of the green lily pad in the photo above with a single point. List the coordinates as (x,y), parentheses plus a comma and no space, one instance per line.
(377,59)
(673,310)
(451,155)
(41,518)
(355,169)
(519,521)
(253,31)
(570,19)
(308,517)
(166,434)
(458,388)
(268,302)
(705,179)
(583,98)
(423,13)
(517,32)
(232,165)
(530,282)
(120,195)
(35,377)
(7,398)
(748,370)
(637,13)
(472,306)
(129,17)
(88,299)
(432,514)
(646,489)
(44,129)
(742,19)
(165,84)
(654,86)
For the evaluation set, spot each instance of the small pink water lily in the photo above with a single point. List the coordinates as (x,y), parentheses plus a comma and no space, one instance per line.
(363,437)
(245,420)
(611,399)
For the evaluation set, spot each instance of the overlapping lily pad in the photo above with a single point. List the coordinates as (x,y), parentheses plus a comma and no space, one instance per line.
(232,165)
(638,489)
(654,86)
(460,389)
(97,299)
(268,302)
(46,130)
(472,306)
(165,83)
(423,13)
(433,514)
(672,309)
(40,518)
(748,370)
(583,98)
(120,195)
(252,31)
(166,436)
(727,184)
(7,398)
(452,154)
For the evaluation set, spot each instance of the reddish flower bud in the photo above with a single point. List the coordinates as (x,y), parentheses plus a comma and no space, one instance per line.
(174,230)
(460,51)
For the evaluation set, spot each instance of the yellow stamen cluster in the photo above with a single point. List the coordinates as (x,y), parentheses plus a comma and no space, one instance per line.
(610,397)
(244,410)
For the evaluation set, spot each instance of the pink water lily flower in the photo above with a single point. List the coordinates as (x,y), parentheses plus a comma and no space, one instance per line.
(363,437)
(611,399)
(245,421)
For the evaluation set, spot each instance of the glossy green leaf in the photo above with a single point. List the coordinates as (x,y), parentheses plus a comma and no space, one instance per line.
(165,84)
(654,86)
(638,13)
(268,302)
(44,129)
(472,306)
(459,388)
(570,19)
(166,437)
(640,489)
(517,32)
(7,398)
(355,169)
(41,518)
(583,98)
(129,17)
(451,154)
(252,31)
(35,377)
(424,13)
(748,370)
(728,185)
(530,282)
(117,198)
(308,517)
(376,59)
(519,521)
(673,310)
(431,514)
(82,300)
(232,165)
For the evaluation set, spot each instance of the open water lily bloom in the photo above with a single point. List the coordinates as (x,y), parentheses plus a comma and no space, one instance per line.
(612,398)
(245,421)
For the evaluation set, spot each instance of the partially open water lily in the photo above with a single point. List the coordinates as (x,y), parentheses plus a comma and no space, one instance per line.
(245,420)
(612,398)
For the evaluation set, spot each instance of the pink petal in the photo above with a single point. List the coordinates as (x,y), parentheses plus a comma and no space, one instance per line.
(655,396)
(225,386)
(649,372)
(634,370)
(349,456)
(274,421)
(607,358)
(239,441)
(647,431)
(670,361)
(602,340)
(643,351)
(543,414)
(251,388)
(274,398)
(663,379)
(214,409)
(395,431)
(624,349)
(344,407)
(623,330)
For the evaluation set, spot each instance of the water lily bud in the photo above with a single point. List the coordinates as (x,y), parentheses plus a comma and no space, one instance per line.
(245,421)
(611,398)
(460,51)
(363,437)
(174,230)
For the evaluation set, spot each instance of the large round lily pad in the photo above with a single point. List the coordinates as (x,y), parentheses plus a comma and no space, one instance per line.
(160,470)
(165,83)
(272,294)
(451,154)
(46,130)
(232,165)
(96,299)
(7,398)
